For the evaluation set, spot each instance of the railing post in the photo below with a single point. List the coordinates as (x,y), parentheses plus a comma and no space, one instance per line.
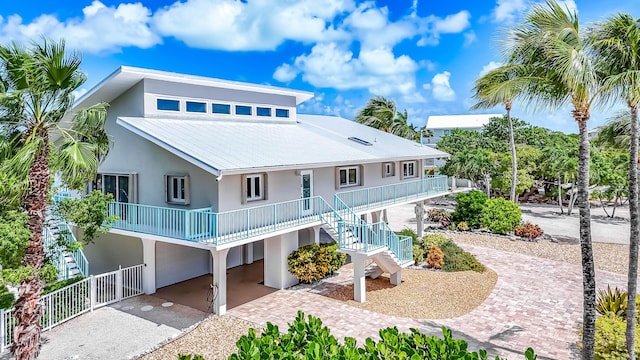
(3,330)
(50,310)
(247,222)
(119,284)
(93,291)
(340,232)
(275,217)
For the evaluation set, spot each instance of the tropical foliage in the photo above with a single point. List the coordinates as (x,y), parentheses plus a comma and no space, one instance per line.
(40,136)
(380,113)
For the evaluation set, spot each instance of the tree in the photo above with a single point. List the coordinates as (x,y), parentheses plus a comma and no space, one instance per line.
(35,102)
(563,71)
(617,43)
(501,86)
(381,113)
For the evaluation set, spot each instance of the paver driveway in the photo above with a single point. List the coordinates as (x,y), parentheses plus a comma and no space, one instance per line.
(536,302)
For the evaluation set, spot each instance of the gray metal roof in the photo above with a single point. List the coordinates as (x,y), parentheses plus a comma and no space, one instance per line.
(234,146)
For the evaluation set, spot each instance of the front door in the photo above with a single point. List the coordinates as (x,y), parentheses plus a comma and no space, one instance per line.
(306,182)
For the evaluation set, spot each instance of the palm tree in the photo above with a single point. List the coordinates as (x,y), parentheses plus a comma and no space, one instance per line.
(550,41)
(380,113)
(501,86)
(38,94)
(617,43)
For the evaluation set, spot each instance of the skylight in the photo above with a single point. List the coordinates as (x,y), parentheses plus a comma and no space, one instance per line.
(360,141)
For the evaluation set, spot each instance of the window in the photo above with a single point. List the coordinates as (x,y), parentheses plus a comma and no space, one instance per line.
(349,176)
(121,186)
(446,132)
(177,189)
(409,169)
(388,169)
(243,110)
(282,113)
(263,111)
(220,108)
(169,105)
(254,187)
(195,106)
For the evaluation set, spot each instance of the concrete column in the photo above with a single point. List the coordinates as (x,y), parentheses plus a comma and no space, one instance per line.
(396,278)
(220,281)
(384,216)
(453,183)
(247,253)
(419,210)
(149,269)
(276,269)
(316,234)
(359,281)
(376,216)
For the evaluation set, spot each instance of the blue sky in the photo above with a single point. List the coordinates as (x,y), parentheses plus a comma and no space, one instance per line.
(424,55)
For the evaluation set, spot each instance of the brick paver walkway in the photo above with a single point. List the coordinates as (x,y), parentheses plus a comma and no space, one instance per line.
(536,302)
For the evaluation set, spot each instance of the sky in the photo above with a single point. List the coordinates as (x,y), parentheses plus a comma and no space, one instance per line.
(424,55)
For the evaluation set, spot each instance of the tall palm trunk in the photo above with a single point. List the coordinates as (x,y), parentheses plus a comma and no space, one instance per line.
(26,345)
(588,270)
(634,233)
(560,195)
(514,160)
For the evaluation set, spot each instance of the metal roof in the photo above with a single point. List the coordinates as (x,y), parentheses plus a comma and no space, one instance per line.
(234,146)
(472,121)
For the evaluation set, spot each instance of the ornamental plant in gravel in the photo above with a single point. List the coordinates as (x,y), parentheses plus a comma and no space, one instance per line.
(500,215)
(469,208)
(313,262)
(308,339)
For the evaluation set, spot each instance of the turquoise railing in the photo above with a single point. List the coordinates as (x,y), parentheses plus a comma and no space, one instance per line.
(65,236)
(203,225)
(355,234)
(374,197)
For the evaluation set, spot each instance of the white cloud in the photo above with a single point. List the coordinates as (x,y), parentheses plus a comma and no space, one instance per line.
(488,67)
(101,29)
(469,38)
(451,24)
(285,73)
(254,25)
(441,88)
(506,10)
(331,65)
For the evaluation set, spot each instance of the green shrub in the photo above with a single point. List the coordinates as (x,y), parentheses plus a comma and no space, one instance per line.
(463,226)
(610,340)
(308,339)
(408,232)
(611,302)
(418,253)
(469,207)
(313,262)
(190,357)
(455,259)
(501,216)
(49,288)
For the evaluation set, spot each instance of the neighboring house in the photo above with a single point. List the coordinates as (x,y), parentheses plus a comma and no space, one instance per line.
(441,125)
(210,174)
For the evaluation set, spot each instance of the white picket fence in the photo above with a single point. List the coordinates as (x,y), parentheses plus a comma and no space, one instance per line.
(78,298)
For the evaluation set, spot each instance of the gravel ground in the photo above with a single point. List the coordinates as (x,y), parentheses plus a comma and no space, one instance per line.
(609,257)
(213,338)
(423,294)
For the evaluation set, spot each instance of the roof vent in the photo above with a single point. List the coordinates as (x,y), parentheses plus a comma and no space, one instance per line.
(360,141)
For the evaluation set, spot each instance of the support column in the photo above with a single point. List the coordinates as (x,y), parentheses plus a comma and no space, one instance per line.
(396,278)
(419,211)
(276,269)
(220,281)
(364,217)
(149,269)
(376,216)
(384,216)
(453,183)
(359,281)
(247,253)
(316,234)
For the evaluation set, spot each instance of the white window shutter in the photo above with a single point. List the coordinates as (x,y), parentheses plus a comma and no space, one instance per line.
(187,190)
(243,189)
(166,188)
(265,186)
(337,178)
(360,175)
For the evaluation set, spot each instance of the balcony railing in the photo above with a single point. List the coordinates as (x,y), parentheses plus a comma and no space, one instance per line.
(203,225)
(375,197)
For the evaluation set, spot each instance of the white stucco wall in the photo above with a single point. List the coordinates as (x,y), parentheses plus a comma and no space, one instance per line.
(285,185)
(176,263)
(131,153)
(110,251)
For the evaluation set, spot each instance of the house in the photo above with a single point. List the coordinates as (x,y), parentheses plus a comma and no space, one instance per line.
(209,174)
(441,125)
